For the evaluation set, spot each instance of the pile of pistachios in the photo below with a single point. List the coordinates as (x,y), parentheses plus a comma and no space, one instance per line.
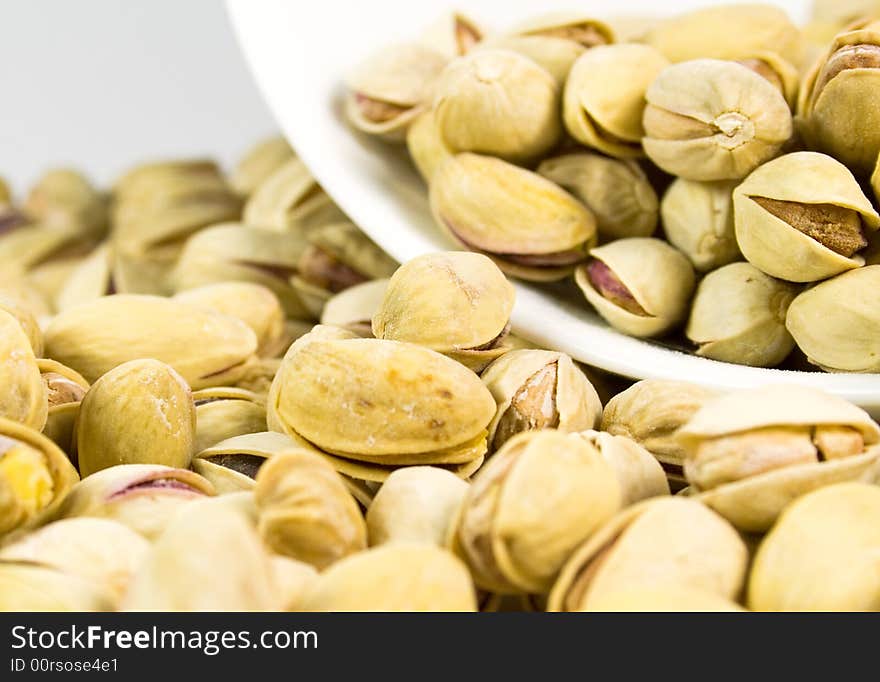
(711,180)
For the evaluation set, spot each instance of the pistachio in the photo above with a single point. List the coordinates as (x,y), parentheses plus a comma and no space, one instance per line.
(28,587)
(574,26)
(292,579)
(425,145)
(260,161)
(354,308)
(26,316)
(65,389)
(23,398)
(452,34)
(90,279)
(555,55)
(662,599)
(777,70)
(226,412)
(65,199)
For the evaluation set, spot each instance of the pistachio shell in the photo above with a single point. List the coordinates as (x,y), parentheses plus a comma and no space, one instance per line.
(31,246)
(260,161)
(65,198)
(452,34)
(666,600)
(778,70)
(258,373)
(778,248)
(232,464)
(425,145)
(567,24)
(27,587)
(206,348)
(90,279)
(554,55)
(26,318)
(292,579)
(23,398)
(226,412)
(66,389)
(875,179)
(354,308)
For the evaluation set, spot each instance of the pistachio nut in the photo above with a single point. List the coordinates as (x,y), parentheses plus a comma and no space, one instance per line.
(416,504)
(822,554)
(528,225)
(751,452)
(640,286)
(394,577)
(232,464)
(225,412)
(803,217)
(23,398)
(258,163)
(662,599)
(529,507)
(26,316)
(555,55)
(391,88)
(90,279)
(617,192)
(43,255)
(292,579)
(65,389)
(354,308)
(738,315)
(497,102)
(837,322)
(65,198)
(258,374)
(661,543)
(29,587)
(604,97)
(709,119)
(575,26)
(425,145)
(843,12)
(875,179)
(781,73)
(539,389)
(206,348)
(17,292)
(35,475)
(452,34)
(454,302)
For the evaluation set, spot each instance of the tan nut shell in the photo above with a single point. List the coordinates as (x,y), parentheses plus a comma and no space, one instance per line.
(26,317)
(547,23)
(354,308)
(260,445)
(292,579)
(258,163)
(90,279)
(662,599)
(226,412)
(658,276)
(425,145)
(875,179)
(28,587)
(64,392)
(554,55)
(452,34)
(23,397)
(775,247)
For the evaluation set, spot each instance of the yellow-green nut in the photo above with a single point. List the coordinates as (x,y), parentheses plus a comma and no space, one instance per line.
(836,100)
(305,510)
(539,389)
(354,308)
(454,302)
(738,316)
(580,28)
(391,88)
(232,464)
(529,507)
(709,119)
(617,192)
(90,279)
(66,389)
(822,554)
(555,55)
(664,543)
(698,221)
(28,587)
(452,34)
(604,97)
(64,198)
(751,452)
(225,412)
(837,322)
(640,286)
(528,225)
(205,348)
(258,163)
(35,475)
(803,217)
(425,145)
(144,497)
(395,577)
(23,397)
(500,103)
(416,504)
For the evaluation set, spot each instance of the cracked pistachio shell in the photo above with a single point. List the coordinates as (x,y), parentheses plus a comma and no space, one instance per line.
(235,252)
(617,192)
(822,554)
(539,389)
(416,504)
(661,543)
(23,398)
(750,453)
(554,55)
(66,389)
(425,146)
(394,577)
(605,97)
(255,305)
(292,579)
(150,273)
(305,510)
(354,308)
(140,412)
(666,599)
(90,279)
(206,348)
(528,225)
(657,277)
(225,412)
(104,552)
(452,34)
(26,318)
(709,119)
(738,316)
(391,88)
(64,198)
(25,249)
(818,195)
(259,372)
(776,69)
(144,497)
(837,322)
(180,573)
(575,26)
(35,475)
(638,471)
(258,163)
(727,32)
(838,100)
(500,103)
(698,221)
(232,464)
(529,507)
(28,587)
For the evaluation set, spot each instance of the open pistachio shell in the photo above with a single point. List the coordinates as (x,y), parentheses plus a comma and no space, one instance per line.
(355,307)
(698,221)
(258,373)
(605,97)
(66,389)
(539,389)
(641,286)
(822,554)
(33,246)
(710,119)
(497,102)
(225,412)
(803,217)
(667,599)
(232,464)
(667,542)
(528,225)
(26,317)
(738,315)
(425,145)
(535,500)
(23,398)
(583,29)
(292,579)
(29,587)
(776,69)
(416,504)
(394,577)
(837,322)
(452,34)
(555,55)
(90,279)
(260,161)
(617,192)
(65,198)
(206,348)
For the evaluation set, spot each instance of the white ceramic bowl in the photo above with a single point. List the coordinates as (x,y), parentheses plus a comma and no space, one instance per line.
(299,53)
